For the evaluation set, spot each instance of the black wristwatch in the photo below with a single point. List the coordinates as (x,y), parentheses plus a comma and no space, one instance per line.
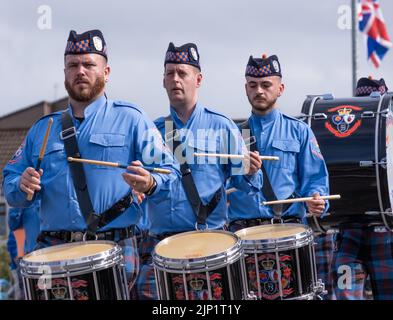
(152,188)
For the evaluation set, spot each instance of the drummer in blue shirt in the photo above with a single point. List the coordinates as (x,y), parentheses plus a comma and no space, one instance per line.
(101,129)
(301,169)
(198,200)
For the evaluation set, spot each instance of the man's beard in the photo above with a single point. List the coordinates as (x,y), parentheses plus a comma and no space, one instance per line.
(266,108)
(86,94)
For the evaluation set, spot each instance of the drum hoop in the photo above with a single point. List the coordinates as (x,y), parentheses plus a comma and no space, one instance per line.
(100,260)
(215,261)
(63,272)
(309,296)
(205,263)
(271,248)
(305,235)
(187,268)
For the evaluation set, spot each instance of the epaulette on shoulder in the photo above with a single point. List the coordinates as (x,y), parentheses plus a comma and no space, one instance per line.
(160,123)
(217,113)
(295,119)
(53,115)
(119,103)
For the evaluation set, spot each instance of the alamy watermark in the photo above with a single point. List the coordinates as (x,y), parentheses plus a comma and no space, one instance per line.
(344,21)
(44,21)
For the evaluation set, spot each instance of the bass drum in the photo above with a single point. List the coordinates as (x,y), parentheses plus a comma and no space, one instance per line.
(355,136)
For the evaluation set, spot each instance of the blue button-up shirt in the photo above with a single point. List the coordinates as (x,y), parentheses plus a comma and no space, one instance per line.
(300,170)
(28,219)
(111,131)
(205,132)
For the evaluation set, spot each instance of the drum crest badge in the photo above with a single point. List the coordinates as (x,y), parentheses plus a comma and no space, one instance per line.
(59,289)
(341,121)
(198,288)
(269,277)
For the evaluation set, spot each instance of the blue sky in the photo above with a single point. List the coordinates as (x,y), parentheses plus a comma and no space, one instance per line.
(315,54)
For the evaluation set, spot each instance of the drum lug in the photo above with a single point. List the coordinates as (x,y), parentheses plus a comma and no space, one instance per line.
(319,289)
(366,163)
(371,114)
(251,296)
(303,117)
(372,213)
(368,114)
(320,116)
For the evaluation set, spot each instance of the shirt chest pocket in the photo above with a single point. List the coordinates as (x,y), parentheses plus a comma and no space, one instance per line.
(54,155)
(287,151)
(108,147)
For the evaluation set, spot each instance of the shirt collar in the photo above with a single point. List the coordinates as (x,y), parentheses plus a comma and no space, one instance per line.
(179,124)
(92,107)
(271,116)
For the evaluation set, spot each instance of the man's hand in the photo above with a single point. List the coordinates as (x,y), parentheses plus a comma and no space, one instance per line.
(140,196)
(30,181)
(316,205)
(252,162)
(141,181)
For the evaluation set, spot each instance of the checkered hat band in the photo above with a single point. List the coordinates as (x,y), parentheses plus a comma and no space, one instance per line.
(177,56)
(259,72)
(367,90)
(78,47)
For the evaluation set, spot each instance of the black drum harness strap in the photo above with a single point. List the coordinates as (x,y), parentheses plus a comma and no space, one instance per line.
(201,211)
(93,220)
(267,189)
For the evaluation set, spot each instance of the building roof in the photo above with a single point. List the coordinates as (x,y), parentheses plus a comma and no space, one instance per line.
(14,126)
(10,140)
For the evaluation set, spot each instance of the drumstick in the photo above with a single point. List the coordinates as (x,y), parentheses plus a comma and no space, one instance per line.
(42,151)
(117,165)
(230,190)
(232,156)
(331,197)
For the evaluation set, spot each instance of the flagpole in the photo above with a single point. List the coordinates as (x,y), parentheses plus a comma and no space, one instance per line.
(354,46)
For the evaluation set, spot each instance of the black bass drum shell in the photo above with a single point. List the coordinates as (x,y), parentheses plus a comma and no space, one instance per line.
(351,133)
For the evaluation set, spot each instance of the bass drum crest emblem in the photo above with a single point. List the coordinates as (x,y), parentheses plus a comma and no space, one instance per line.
(342,121)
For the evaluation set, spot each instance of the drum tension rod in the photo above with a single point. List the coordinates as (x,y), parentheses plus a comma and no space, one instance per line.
(367,163)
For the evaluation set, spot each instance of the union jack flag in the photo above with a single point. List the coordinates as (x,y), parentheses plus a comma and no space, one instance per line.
(372,24)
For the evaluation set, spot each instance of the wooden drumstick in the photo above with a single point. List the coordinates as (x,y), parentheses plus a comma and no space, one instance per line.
(116,165)
(230,190)
(232,156)
(42,151)
(331,197)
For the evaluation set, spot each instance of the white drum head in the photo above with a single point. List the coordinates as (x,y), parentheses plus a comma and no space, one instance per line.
(67,252)
(195,244)
(271,231)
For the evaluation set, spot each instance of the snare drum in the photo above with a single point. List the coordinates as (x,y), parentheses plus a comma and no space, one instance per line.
(199,265)
(356,139)
(279,262)
(91,270)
